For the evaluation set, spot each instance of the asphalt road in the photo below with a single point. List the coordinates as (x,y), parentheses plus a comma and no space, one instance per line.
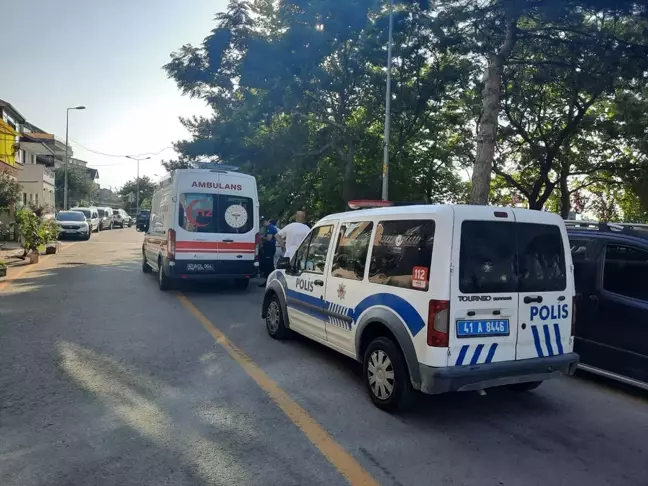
(106,380)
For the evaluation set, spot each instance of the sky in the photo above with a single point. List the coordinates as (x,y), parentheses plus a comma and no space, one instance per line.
(107,56)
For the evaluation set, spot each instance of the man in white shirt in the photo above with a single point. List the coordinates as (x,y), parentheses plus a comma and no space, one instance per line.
(293,234)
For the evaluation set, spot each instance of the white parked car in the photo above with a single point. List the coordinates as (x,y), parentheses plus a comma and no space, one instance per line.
(73,224)
(433,298)
(121,218)
(92,216)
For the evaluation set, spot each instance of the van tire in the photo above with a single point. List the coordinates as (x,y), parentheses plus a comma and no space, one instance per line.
(146,268)
(163,281)
(402,395)
(275,321)
(524,387)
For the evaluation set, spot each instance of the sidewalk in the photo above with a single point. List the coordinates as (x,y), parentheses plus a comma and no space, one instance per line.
(9,253)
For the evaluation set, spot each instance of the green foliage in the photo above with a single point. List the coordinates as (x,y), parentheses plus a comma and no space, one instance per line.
(81,188)
(35,231)
(146,187)
(10,190)
(297,93)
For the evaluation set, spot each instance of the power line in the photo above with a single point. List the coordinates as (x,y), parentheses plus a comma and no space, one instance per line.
(152,154)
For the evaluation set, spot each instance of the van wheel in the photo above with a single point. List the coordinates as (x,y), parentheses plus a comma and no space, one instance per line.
(274,319)
(146,268)
(524,387)
(386,376)
(163,280)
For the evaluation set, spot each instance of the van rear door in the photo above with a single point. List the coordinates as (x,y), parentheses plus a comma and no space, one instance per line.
(484,302)
(237,221)
(545,284)
(196,225)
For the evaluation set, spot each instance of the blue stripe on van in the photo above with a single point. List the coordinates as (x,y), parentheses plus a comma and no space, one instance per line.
(548,339)
(462,355)
(558,338)
(400,306)
(536,340)
(476,354)
(491,353)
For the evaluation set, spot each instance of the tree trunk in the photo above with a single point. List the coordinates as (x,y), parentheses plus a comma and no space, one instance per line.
(487,131)
(565,199)
(348,176)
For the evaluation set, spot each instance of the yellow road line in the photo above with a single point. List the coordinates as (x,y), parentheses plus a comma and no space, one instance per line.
(334,452)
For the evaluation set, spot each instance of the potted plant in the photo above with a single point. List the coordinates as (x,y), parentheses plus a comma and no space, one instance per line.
(3,268)
(33,232)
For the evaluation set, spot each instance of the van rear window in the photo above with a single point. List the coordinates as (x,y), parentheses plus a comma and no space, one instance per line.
(502,257)
(215,213)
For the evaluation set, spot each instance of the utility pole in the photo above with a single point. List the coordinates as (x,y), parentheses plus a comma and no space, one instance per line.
(385,170)
(137,192)
(65,162)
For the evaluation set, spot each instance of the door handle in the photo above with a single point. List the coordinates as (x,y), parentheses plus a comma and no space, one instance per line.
(319,282)
(530,300)
(228,241)
(593,298)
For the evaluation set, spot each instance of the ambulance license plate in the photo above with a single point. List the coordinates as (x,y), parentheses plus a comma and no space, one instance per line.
(200,267)
(486,327)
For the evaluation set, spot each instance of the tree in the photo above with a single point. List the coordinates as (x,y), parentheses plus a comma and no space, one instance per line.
(146,186)
(81,188)
(10,190)
(498,34)
(305,114)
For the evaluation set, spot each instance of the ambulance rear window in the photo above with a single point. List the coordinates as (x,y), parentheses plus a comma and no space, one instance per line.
(507,257)
(215,213)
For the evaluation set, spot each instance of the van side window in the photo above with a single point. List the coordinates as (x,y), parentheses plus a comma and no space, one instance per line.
(578,249)
(318,246)
(402,254)
(350,257)
(625,271)
(299,259)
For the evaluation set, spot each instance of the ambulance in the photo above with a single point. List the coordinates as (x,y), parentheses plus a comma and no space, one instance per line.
(204,226)
(433,298)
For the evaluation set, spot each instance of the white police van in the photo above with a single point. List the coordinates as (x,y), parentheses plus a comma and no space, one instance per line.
(433,298)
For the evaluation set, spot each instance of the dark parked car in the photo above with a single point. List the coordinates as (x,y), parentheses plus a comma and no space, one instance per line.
(142,220)
(611,277)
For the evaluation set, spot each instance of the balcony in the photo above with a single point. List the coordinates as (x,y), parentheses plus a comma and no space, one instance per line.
(41,143)
(36,174)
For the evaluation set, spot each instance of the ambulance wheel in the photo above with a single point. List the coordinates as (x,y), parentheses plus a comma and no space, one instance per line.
(386,376)
(163,281)
(274,319)
(524,387)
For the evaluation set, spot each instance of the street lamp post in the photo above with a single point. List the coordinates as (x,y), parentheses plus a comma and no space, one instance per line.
(385,170)
(137,181)
(65,162)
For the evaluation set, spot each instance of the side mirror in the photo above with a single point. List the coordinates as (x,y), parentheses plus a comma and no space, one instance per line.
(283,263)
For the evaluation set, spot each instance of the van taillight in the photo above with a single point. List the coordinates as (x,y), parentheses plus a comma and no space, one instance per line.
(573,324)
(171,244)
(438,323)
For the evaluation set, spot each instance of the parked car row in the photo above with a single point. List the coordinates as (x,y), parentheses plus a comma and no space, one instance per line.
(83,221)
